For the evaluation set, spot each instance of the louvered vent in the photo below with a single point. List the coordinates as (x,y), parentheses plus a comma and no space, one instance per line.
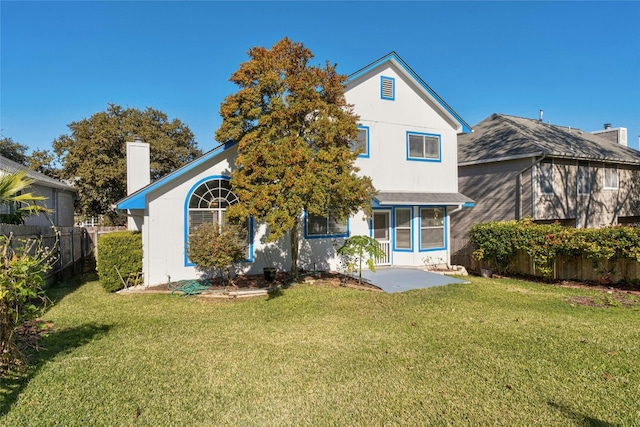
(387,88)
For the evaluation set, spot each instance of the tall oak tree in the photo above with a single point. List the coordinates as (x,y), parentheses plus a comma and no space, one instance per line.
(93,154)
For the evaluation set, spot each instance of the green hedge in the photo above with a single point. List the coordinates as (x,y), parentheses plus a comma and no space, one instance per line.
(121,249)
(498,242)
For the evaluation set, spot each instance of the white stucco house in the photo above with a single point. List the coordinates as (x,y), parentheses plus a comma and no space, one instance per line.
(409,136)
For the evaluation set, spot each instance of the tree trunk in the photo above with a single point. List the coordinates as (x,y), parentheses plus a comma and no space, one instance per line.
(294,249)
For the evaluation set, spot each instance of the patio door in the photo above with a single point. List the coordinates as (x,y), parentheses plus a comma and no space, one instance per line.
(382,233)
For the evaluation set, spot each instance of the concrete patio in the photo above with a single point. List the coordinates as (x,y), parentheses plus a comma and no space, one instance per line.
(394,279)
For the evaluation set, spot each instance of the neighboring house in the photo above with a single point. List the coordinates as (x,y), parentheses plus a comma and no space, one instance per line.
(60,196)
(515,167)
(409,137)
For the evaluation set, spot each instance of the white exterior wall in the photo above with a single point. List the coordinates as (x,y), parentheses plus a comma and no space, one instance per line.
(388,122)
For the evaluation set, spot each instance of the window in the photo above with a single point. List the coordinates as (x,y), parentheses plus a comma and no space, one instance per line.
(387,88)
(584,178)
(423,146)
(403,228)
(322,226)
(208,203)
(432,228)
(611,176)
(545,176)
(362,143)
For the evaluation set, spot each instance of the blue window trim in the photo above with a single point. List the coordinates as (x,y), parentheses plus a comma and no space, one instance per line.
(393,86)
(394,228)
(187,262)
(424,159)
(323,236)
(367,153)
(445,226)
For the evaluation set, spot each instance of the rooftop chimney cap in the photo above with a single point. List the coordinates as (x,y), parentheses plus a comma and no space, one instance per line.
(607,125)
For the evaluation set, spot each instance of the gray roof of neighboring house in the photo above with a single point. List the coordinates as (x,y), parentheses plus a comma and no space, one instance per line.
(500,137)
(38,178)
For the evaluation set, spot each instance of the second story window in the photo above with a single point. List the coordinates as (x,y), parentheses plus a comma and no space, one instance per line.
(611,176)
(361,144)
(422,146)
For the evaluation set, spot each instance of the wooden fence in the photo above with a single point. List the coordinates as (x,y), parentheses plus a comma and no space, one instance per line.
(75,251)
(564,267)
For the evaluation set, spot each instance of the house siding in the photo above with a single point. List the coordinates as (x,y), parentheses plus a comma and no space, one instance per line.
(494,187)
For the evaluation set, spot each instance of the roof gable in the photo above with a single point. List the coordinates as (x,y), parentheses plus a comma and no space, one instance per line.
(137,200)
(500,137)
(419,84)
(37,177)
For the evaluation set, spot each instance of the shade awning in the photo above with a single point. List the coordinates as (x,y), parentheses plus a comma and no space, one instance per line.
(441,199)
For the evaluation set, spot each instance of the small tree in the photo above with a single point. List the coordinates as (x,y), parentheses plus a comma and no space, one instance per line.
(357,249)
(214,249)
(293,127)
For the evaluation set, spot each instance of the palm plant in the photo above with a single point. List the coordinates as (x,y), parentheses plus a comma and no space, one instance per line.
(18,203)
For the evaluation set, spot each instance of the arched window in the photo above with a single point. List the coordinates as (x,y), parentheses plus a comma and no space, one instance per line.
(209,203)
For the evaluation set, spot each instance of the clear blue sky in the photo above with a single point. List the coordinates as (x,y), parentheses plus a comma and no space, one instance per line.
(64,61)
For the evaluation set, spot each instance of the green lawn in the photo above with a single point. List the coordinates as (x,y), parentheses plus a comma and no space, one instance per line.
(493,352)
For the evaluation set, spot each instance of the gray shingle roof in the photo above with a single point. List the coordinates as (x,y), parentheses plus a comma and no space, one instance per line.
(501,137)
(39,178)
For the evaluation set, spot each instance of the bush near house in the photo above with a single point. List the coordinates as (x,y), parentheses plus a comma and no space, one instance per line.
(118,252)
(499,243)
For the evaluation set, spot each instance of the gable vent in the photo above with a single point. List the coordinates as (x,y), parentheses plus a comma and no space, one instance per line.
(387,87)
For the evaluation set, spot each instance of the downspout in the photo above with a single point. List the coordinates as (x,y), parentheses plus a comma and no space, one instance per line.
(459,208)
(519,187)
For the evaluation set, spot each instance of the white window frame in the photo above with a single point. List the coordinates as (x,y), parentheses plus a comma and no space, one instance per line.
(403,227)
(426,156)
(611,177)
(333,228)
(426,226)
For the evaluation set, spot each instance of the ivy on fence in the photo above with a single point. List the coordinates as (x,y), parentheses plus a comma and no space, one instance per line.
(499,242)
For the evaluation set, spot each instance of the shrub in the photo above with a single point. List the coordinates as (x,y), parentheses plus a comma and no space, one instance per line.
(214,249)
(121,250)
(22,266)
(498,243)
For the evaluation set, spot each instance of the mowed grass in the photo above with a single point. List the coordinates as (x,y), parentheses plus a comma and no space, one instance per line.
(493,352)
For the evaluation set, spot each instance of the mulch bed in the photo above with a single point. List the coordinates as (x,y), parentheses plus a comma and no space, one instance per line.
(257,281)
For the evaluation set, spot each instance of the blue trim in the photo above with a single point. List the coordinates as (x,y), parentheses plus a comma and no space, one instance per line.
(366,154)
(425,159)
(394,228)
(138,200)
(444,225)
(468,205)
(395,58)
(324,236)
(188,263)
(393,88)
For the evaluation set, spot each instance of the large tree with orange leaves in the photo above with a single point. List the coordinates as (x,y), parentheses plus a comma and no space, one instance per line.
(293,127)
